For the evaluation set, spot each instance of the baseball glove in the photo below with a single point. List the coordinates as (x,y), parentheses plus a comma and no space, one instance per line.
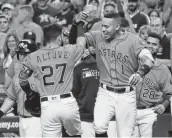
(32,104)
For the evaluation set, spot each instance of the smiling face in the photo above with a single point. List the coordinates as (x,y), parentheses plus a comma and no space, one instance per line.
(11,43)
(153,44)
(109,27)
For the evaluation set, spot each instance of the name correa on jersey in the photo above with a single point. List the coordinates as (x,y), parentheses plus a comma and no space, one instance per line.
(112,53)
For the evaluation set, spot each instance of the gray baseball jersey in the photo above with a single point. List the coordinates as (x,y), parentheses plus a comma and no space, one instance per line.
(117,60)
(53,68)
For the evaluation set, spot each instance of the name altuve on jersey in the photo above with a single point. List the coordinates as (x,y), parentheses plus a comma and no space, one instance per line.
(52,55)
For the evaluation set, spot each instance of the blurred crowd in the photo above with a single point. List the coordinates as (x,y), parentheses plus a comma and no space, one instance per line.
(26,18)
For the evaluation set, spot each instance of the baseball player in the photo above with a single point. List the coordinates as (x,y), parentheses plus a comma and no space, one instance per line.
(29,125)
(85,88)
(53,67)
(117,54)
(150,92)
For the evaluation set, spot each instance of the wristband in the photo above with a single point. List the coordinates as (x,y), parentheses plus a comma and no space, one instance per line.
(143,70)
(1,113)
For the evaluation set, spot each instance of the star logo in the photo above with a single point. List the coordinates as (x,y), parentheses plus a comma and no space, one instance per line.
(44,18)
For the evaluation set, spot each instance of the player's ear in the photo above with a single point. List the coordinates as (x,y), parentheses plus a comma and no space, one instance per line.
(60,40)
(118,26)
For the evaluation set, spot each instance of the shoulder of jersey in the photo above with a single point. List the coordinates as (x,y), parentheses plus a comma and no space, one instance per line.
(69,46)
(162,67)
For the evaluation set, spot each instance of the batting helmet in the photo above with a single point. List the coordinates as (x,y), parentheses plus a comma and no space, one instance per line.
(25,47)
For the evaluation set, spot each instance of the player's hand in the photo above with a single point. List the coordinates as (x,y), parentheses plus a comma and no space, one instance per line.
(134,79)
(81,17)
(159,109)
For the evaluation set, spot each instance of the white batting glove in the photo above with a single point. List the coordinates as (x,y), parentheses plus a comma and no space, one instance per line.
(135,79)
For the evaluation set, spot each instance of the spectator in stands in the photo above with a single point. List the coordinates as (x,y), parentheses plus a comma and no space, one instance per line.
(167,15)
(65,17)
(147,5)
(26,24)
(94,2)
(153,14)
(108,8)
(4,28)
(7,10)
(9,49)
(12,2)
(144,31)
(24,2)
(78,4)
(44,13)
(158,26)
(138,18)
(100,11)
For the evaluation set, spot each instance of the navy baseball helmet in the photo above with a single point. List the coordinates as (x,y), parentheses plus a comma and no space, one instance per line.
(30,35)
(26,46)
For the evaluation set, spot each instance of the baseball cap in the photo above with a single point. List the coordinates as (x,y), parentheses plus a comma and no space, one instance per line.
(7,6)
(30,35)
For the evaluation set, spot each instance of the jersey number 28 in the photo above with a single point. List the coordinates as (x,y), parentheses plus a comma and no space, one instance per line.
(50,74)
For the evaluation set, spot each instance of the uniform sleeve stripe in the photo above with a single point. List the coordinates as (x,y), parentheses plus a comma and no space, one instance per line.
(10,96)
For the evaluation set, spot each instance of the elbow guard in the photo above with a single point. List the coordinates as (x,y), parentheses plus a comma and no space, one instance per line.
(143,70)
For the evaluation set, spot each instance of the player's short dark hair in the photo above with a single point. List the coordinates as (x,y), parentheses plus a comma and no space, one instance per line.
(112,15)
(115,16)
(51,32)
(155,35)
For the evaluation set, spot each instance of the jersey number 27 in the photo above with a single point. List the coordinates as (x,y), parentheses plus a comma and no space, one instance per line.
(50,74)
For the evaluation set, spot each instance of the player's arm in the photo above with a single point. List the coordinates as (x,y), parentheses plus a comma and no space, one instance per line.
(166,88)
(9,100)
(24,74)
(6,106)
(10,75)
(146,59)
(147,62)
